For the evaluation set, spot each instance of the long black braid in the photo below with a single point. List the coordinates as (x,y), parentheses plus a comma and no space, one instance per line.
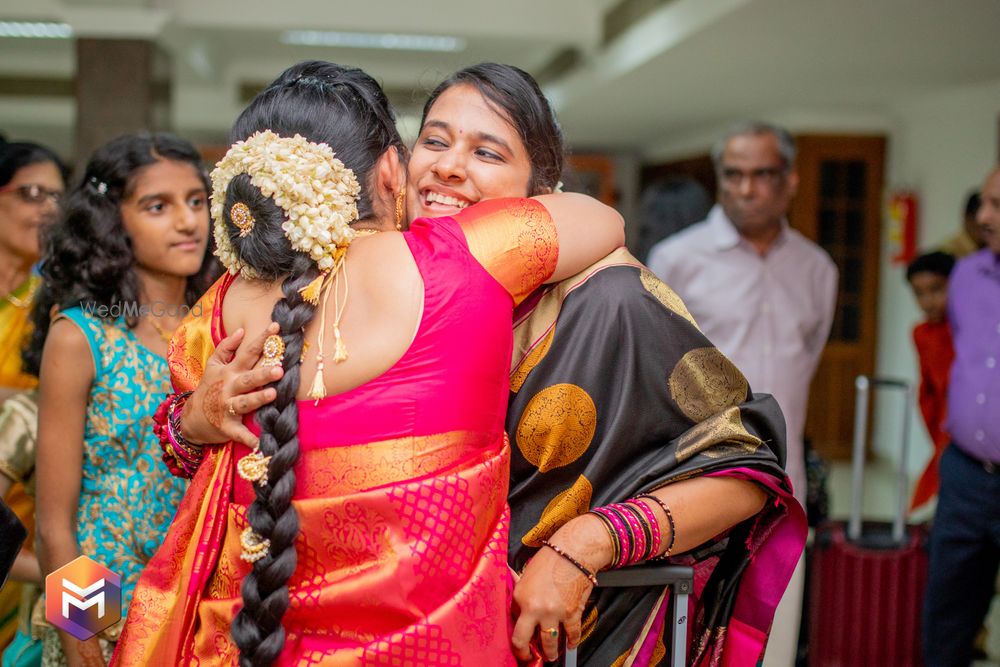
(346,109)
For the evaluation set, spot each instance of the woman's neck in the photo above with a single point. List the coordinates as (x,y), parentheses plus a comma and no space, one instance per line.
(14,270)
(374,224)
(160,288)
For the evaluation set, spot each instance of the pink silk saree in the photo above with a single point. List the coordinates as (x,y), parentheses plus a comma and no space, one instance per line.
(400,487)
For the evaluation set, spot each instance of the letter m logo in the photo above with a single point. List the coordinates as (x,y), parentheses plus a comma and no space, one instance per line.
(85,597)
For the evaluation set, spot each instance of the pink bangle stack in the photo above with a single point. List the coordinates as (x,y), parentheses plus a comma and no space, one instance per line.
(635,532)
(182,457)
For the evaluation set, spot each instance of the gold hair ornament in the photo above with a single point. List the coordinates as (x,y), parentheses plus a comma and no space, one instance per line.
(253,467)
(274,351)
(242,217)
(253,547)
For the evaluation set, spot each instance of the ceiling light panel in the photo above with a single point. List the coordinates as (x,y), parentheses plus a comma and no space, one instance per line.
(371,40)
(36,29)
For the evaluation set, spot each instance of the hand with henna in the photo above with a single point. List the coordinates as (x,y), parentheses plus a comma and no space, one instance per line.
(82,653)
(552,592)
(232,385)
(91,654)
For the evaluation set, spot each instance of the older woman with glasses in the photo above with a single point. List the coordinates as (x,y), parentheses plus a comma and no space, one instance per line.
(31,184)
(32,180)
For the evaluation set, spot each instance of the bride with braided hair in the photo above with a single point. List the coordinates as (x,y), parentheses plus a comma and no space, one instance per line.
(364,521)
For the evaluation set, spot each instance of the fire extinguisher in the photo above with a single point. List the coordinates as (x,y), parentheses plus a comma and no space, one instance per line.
(903,210)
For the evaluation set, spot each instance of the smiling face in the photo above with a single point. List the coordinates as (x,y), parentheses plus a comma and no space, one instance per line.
(466,152)
(166,216)
(28,203)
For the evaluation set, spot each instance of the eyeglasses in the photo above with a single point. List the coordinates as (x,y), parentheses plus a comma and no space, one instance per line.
(769,176)
(33,193)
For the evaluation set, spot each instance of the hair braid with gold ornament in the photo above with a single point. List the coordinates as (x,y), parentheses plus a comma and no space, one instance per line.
(343,109)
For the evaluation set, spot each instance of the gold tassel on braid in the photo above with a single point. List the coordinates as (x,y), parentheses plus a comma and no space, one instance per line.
(332,282)
(319,289)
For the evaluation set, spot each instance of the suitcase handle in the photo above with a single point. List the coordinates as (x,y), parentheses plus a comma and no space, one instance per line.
(681,580)
(863,384)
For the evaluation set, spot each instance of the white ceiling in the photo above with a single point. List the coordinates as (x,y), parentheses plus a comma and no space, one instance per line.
(683,67)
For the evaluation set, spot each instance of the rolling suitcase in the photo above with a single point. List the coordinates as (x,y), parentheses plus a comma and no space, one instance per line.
(867,579)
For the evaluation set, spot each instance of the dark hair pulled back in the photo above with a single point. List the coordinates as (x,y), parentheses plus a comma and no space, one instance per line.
(347,110)
(87,255)
(16,155)
(516,95)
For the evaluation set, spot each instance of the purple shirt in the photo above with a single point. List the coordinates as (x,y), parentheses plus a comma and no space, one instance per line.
(974,390)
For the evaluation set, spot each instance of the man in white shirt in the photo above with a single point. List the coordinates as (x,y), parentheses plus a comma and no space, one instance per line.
(764,294)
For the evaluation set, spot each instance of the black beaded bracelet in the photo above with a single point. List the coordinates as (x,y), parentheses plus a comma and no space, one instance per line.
(587,573)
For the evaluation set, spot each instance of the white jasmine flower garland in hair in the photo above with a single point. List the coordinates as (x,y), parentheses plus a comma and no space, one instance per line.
(316,190)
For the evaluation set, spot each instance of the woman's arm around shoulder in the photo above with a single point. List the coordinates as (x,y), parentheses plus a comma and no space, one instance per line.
(525,242)
(587,230)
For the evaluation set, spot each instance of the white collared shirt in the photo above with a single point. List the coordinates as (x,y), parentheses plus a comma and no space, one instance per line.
(770,314)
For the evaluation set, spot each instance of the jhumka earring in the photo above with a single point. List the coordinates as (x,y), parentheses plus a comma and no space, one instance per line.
(400,200)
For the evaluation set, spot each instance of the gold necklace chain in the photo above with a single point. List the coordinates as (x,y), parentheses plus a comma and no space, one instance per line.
(164,334)
(24,303)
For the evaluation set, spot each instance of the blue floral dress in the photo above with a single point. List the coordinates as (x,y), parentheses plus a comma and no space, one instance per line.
(127,495)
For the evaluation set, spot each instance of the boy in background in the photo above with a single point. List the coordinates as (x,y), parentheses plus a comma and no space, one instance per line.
(928,276)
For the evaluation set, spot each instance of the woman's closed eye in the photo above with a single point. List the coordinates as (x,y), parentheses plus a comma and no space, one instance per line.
(489,155)
(433,142)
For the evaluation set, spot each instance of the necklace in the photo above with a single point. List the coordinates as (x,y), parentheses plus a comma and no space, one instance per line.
(164,334)
(23,303)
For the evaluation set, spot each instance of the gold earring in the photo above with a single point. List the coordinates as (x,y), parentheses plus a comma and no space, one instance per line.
(399,208)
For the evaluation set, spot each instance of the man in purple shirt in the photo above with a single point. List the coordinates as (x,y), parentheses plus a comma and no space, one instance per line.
(965,539)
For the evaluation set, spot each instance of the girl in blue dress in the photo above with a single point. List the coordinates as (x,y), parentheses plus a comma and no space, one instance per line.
(120,271)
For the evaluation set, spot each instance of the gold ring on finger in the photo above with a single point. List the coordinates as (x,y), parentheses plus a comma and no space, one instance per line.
(231,410)
(552,632)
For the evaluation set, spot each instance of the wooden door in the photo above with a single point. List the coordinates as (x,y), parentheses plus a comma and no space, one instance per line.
(839,206)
